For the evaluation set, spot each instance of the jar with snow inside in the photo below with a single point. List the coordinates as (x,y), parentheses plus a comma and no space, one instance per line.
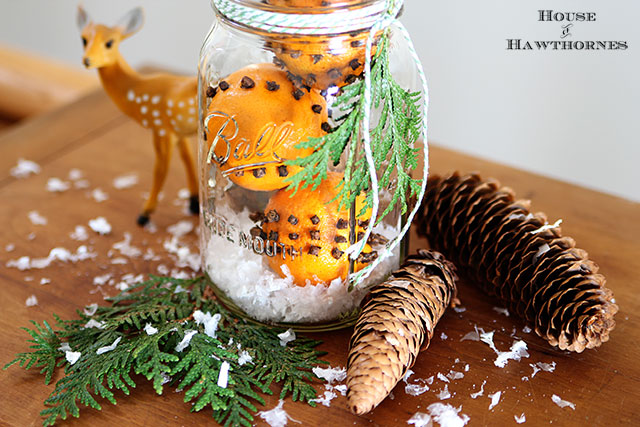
(304,205)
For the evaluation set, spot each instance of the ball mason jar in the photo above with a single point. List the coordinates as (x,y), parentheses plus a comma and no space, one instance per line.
(276,252)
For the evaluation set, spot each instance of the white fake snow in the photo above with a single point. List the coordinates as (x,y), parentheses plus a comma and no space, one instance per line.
(495,399)
(180,228)
(150,330)
(31,301)
(185,340)
(244,357)
(562,403)
(56,185)
(444,393)
(56,254)
(479,393)
(330,374)
(541,366)
(418,387)
(125,181)
(92,323)
(79,233)
(420,419)
(36,218)
(277,417)
(501,310)
(75,174)
(125,247)
(265,295)
(223,376)
(91,309)
(108,348)
(520,419)
(100,225)
(286,337)
(447,415)
(24,168)
(99,195)
(517,351)
(210,322)
(45,280)
(72,356)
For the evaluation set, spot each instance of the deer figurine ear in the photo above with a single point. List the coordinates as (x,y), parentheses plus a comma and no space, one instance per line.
(82,18)
(131,22)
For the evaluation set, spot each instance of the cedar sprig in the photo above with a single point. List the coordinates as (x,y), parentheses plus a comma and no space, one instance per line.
(168,305)
(392,140)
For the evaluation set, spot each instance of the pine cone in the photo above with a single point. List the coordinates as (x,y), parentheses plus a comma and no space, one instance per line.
(397,321)
(531,269)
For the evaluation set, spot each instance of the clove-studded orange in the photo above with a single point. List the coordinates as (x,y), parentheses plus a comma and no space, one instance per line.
(320,62)
(254,121)
(314,233)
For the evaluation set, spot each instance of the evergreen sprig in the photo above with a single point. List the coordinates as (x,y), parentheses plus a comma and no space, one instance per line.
(393,137)
(150,320)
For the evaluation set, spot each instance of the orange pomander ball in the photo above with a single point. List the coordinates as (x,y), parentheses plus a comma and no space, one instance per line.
(315,234)
(254,121)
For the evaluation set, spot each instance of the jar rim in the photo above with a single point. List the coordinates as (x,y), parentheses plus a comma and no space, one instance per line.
(261,17)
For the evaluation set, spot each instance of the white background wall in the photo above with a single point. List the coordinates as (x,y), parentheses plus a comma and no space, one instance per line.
(566,114)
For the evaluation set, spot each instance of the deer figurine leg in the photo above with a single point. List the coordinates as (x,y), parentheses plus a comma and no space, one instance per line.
(162,146)
(187,158)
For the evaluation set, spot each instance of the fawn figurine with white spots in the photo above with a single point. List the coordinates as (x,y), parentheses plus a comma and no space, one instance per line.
(163,103)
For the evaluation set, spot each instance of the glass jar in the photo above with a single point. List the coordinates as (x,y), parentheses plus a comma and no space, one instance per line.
(278,227)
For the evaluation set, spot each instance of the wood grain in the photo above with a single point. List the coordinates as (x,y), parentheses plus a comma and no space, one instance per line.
(93,136)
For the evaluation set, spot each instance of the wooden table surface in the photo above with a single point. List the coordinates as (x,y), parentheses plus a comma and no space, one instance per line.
(91,135)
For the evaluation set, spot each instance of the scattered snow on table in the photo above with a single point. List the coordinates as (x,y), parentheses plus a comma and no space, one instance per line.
(75,174)
(541,366)
(91,309)
(495,399)
(24,168)
(277,417)
(520,419)
(443,336)
(418,387)
(330,374)
(526,329)
(180,228)
(125,181)
(444,393)
(36,218)
(501,310)
(99,195)
(79,233)
(110,347)
(92,323)
(479,393)
(562,403)
(459,309)
(45,280)
(31,301)
(56,254)
(10,247)
(286,337)
(125,247)
(547,226)
(56,185)
(447,415)
(100,225)
(518,350)
(102,279)
(420,419)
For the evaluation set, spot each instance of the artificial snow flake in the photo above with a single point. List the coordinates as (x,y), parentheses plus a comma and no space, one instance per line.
(72,356)
(180,228)
(223,376)
(150,330)
(501,310)
(100,225)
(562,403)
(31,301)
(479,393)
(108,348)
(495,399)
(125,181)
(286,337)
(277,417)
(24,168)
(210,322)
(326,398)
(184,343)
(444,393)
(99,195)
(518,350)
(330,374)
(75,174)
(92,323)
(79,233)
(420,419)
(520,419)
(56,185)
(91,309)
(447,415)
(36,218)
(244,357)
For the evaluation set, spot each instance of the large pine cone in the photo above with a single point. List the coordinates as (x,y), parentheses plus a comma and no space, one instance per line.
(396,322)
(532,269)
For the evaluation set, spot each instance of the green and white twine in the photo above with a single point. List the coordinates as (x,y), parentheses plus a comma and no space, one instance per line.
(377,17)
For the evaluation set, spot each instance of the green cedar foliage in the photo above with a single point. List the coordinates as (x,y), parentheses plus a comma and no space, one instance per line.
(168,305)
(398,127)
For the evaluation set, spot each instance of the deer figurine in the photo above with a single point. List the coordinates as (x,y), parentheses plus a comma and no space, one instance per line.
(162,103)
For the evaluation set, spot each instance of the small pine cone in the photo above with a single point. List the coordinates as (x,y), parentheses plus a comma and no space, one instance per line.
(531,269)
(396,322)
